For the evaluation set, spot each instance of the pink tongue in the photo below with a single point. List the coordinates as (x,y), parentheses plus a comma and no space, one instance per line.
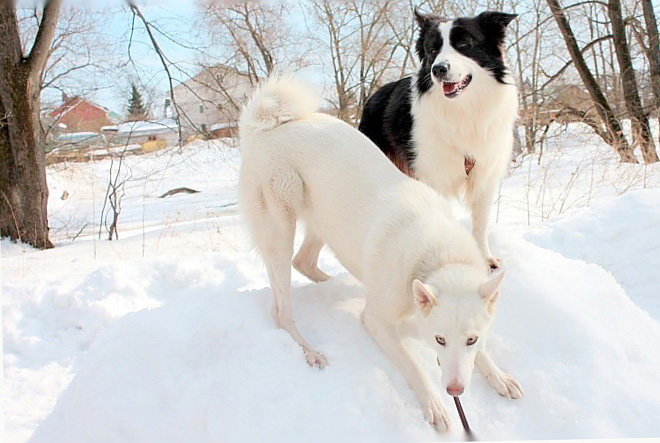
(449,88)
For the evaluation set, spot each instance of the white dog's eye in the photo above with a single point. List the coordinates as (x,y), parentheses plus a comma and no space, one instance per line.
(440,340)
(471,340)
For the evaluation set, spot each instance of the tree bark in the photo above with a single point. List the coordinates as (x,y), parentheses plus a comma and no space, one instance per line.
(23,188)
(614,131)
(639,121)
(653,53)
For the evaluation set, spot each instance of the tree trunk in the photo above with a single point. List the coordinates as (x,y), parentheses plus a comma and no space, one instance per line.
(653,53)
(23,209)
(23,189)
(612,125)
(639,121)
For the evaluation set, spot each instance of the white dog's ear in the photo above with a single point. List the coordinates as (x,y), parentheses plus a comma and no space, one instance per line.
(491,290)
(424,297)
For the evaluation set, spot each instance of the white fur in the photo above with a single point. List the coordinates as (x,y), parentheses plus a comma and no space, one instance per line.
(391,232)
(461,66)
(477,123)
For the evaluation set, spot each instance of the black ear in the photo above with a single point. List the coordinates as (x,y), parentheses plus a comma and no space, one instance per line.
(496,18)
(493,24)
(421,19)
(424,20)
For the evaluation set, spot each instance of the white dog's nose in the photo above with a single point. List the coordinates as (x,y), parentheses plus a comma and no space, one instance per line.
(455,389)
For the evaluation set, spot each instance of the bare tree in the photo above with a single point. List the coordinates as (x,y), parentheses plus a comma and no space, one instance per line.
(363,54)
(611,130)
(651,48)
(641,130)
(652,51)
(252,37)
(23,188)
(532,81)
(114,195)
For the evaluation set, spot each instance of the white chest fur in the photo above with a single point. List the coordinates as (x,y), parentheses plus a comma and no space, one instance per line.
(478,124)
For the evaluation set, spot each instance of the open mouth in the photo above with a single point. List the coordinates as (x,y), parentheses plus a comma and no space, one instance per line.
(452,89)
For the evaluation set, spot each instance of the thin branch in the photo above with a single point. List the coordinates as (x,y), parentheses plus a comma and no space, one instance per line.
(41,48)
(570,62)
(136,12)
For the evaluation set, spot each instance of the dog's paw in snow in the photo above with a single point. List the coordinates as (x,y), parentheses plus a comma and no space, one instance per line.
(315,359)
(494,263)
(505,385)
(436,414)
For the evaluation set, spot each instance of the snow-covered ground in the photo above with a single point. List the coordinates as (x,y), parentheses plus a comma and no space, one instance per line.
(166,335)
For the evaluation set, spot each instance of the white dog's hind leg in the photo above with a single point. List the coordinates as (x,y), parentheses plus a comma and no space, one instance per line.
(273,228)
(306,260)
(386,334)
(504,383)
(278,264)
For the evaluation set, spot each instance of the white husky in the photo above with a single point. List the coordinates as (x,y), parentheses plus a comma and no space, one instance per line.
(393,233)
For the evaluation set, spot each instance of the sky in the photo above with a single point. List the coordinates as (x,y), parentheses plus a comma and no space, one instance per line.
(180,33)
(176,20)
(183,40)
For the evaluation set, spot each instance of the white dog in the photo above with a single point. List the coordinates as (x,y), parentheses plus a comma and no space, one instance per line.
(393,233)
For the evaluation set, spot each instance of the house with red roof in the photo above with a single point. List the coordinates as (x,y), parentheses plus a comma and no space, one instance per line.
(77,114)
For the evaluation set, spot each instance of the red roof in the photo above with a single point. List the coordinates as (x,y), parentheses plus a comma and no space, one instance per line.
(72,103)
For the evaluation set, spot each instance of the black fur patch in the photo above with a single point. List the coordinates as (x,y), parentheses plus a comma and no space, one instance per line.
(387,121)
(481,38)
(428,46)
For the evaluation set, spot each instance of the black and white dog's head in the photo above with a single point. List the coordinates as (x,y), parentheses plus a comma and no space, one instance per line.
(457,53)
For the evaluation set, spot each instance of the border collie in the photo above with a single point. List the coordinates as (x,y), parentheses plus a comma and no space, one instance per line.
(451,124)
(395,234)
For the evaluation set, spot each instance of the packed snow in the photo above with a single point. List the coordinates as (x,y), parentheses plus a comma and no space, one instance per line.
(166,335)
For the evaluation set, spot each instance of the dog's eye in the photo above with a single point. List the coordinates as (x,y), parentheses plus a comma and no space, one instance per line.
(440,340)
(463,44)
(471,340)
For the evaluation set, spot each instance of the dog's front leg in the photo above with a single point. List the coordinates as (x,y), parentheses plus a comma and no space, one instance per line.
(386,333)
(481,193)
(504,383)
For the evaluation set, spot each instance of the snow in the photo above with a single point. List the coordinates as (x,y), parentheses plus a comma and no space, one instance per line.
(137,128)
(222,125)
(166,335)
(627,227)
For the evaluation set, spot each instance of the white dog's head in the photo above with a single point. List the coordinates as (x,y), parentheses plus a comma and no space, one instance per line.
(455,307)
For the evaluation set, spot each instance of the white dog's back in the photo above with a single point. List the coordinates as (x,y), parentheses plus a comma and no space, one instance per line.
(320,169)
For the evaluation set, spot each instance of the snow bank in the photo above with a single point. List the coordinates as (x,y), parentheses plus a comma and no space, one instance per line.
(622,236)
(209,364)
(167,336)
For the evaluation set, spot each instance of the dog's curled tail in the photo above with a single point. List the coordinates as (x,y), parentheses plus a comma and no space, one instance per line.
(279,100)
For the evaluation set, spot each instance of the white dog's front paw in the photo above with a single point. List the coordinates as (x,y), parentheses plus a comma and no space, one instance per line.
(436,414)
(506,385)
(315,359)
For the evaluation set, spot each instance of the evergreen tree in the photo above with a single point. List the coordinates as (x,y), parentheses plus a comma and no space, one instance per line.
(136,109)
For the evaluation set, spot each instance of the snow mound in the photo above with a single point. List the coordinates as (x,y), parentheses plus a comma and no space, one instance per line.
(210,365)
(622,236)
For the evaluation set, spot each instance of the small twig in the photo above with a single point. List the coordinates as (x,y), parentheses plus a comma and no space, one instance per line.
(13,216)
(79,232)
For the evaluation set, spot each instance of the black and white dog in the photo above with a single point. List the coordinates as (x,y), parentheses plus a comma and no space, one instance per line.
(451,124)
